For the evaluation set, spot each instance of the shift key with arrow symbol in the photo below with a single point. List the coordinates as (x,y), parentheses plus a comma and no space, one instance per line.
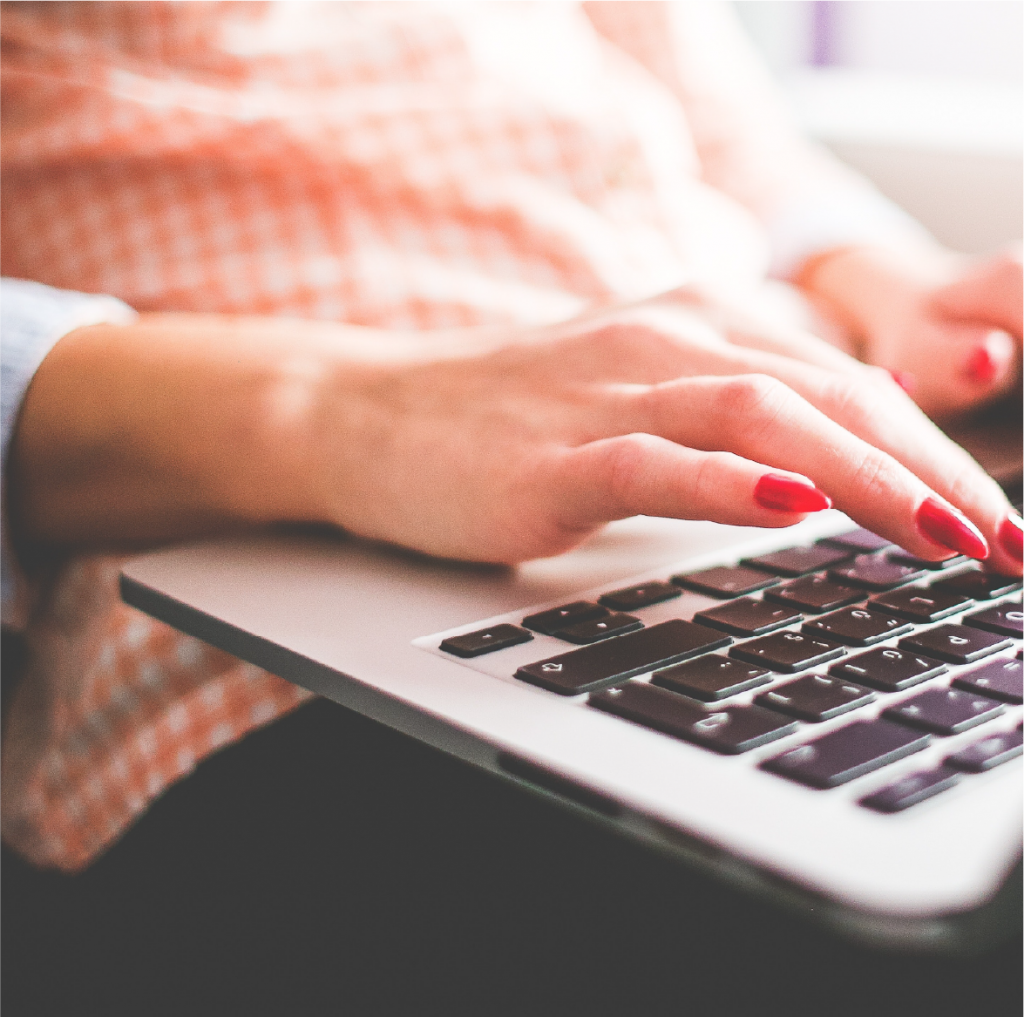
(614,660)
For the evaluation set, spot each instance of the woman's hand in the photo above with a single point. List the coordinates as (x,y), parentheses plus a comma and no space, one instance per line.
(524,450)
(950,331)
(498,445)
(989,293)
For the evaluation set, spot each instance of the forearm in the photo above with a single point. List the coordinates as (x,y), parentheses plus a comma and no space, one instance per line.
(171,426)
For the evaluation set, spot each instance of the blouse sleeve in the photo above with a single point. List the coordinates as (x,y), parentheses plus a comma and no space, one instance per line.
(33,318)
(748,144)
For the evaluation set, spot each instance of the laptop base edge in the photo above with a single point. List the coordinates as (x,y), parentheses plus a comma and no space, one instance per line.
(963,934)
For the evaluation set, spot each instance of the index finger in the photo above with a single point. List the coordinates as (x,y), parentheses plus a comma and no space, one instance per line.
(873,407)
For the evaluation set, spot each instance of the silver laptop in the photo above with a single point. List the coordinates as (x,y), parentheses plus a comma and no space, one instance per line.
(809,713)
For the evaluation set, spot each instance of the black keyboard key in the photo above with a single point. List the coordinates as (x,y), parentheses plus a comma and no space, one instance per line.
(798,561)
(922,604)
(910,790)
(887,669)
(859,540)
(593,667)
(549,622)
(748,617)
(988,753)
(814,594)
(1000,679)
(815,698)
(874,572)
(645,594)
(954,643)
(906,558)
(847,753)
(1003,619)
(944,711)
(497,637)
(979,585)
(612,624)
(711,677)
(725,581)
(730,730)
(787,651)
(856,627)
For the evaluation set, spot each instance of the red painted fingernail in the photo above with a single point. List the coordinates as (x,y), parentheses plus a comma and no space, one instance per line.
(943,525)
(981,366)
(789,494)
(905,380)
(1011,537)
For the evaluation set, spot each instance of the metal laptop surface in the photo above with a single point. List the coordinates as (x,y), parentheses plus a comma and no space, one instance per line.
(363,625)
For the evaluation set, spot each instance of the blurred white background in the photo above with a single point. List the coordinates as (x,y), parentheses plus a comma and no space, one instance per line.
(925,96)
(944,38)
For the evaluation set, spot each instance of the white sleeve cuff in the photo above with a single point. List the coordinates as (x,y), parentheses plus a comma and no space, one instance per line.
(33,318)
(828,220)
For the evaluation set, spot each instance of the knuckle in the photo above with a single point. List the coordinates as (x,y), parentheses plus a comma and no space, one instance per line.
(630,348)
(876,475)
(747,397)
(706,478)
(967,484)
(626,336)
(629,459)
(854,398)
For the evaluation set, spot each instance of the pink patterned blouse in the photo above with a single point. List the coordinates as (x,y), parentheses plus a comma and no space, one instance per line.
(400,165)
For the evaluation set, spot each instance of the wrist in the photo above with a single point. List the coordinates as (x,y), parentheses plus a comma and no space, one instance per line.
(316,418)
(174,425)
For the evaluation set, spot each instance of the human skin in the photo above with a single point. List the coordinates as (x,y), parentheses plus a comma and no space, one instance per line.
(495,445)
(950,329)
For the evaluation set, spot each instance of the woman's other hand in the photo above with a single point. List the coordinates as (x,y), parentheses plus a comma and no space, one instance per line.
(949,331)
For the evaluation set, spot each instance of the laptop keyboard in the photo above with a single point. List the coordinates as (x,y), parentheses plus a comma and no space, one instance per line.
(798,637)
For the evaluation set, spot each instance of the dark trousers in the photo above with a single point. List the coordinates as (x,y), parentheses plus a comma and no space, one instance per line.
(327,865)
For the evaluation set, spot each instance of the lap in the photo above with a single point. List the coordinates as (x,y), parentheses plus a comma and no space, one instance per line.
(327,864)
